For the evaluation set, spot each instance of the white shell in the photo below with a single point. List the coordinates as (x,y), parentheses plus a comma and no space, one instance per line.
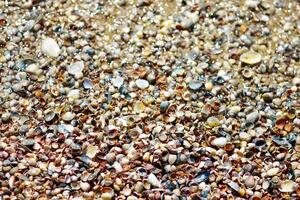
(33,69)
(75,68)
(68,116)
(250,57)
(142,84)
(288,186)
(272,171)
(117,82)
(91,151)
(50,47)
(153,180)
(219,142)
(73,94)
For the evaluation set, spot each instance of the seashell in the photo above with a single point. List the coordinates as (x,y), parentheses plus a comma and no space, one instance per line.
(234,110)
(172,159)
(250,57)
(141,83)
(219,142)
(201,177)
(34,171)
(50,117)
(252,117)
(250,181)
(11,181)
(87,84)
(75,68)
(229,147)
(33,69)
(234,186)
(68,116)
(118,167)
(162,137)
(50,47)
(75,185)
(164,106)
(213,122)
(247,73)
(272,171)
(139,107)
(288,186)
(195,85)
(117,82)
(91,151)
(85,186)
(153,180)
(107,193)
(112,131)
(74,94)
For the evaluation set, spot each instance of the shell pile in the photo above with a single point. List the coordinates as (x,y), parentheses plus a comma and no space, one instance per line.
(150,99)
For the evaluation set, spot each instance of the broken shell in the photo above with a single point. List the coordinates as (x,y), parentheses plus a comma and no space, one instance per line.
(50,47)
(139,107)
(250,57)
(34,171)
(73,94)
(87,84)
